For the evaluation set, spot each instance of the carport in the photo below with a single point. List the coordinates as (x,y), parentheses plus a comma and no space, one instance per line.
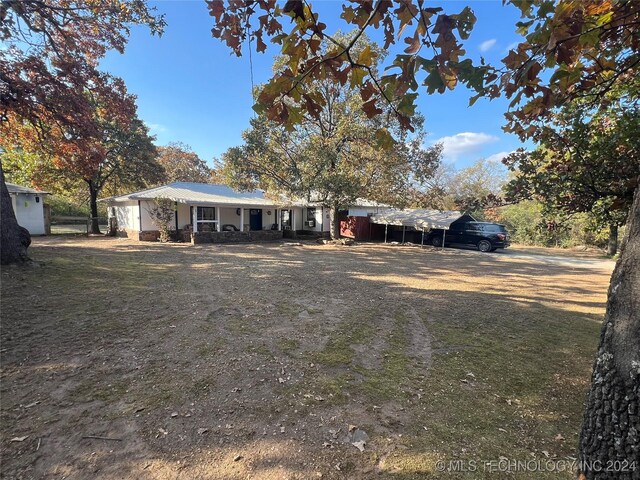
(419,219)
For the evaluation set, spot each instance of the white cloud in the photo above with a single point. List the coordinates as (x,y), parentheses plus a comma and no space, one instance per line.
(155,128)
(464,143)
(497,157)
(487,45)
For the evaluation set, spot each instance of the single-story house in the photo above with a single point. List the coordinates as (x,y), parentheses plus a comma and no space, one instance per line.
(28,205)
(214,213)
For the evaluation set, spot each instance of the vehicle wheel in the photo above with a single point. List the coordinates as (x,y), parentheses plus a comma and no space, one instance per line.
(484,246)
(436,241)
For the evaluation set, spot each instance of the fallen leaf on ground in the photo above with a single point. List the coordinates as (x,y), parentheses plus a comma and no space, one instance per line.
(19,439)
(359,445)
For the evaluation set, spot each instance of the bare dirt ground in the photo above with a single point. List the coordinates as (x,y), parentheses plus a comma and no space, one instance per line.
(256,361)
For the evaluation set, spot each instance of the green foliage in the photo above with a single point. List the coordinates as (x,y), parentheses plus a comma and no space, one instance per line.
(587,160)
(63,206)
(528,223)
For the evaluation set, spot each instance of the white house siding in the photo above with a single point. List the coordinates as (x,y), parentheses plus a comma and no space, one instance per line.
(228,216)
(298,218)
(147,223)
(126,215)
(184,216)
(29,213)
(326,226)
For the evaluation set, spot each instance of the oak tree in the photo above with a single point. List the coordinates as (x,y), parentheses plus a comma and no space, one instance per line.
(336,155)
(182,164)
(49,57)
(586,161)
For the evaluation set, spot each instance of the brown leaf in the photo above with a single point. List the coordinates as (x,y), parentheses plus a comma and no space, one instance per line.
(216,8)
(414,43)
(370,108)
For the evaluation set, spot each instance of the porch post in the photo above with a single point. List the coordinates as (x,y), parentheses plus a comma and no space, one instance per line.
(195,219)
(218,226)
(422,242)
(242,219)
(385,232)
(293,219)
(403,230)
(279,218)
(444,233)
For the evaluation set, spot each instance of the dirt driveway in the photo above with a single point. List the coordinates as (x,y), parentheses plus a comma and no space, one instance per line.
(138,360)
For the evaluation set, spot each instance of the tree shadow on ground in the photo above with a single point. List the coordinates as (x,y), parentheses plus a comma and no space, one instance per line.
(276,350)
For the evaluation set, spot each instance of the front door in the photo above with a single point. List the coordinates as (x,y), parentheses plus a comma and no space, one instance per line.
(255,219)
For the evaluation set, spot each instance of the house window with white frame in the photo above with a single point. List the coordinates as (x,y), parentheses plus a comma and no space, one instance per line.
(207,219)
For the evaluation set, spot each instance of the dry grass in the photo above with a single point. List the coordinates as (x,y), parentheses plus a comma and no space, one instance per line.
(276,350)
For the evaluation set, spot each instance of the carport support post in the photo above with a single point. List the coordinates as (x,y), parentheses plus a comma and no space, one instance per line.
(219,226)
(385,232)
(241,219)
(422,241)
(444,233)
(403,229)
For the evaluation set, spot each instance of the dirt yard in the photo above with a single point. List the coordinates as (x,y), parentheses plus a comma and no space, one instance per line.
(148,361)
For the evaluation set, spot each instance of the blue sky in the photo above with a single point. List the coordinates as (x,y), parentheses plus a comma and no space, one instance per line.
(190,87)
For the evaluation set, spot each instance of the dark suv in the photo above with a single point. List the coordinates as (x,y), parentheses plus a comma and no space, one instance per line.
(486,236)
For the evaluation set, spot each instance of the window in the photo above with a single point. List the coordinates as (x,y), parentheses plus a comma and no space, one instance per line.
(494,228)
(206,214)
(311,213)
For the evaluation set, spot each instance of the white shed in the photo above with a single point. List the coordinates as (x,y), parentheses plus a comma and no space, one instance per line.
(28,205)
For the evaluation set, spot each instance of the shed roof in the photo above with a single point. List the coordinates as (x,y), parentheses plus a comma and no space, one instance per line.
(201,194)
(13,188)
(418,218)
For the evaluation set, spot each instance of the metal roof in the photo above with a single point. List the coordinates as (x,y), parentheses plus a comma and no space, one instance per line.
(201,194)
(418,218)
(13,188)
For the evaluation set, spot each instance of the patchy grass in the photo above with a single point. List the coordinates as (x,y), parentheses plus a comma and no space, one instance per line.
(338,349)
(288,345)
(274,352)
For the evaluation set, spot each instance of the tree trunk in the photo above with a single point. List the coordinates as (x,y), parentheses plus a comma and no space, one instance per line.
(612,247)
(95,224)
(334,223)
(610,437)
(13,248)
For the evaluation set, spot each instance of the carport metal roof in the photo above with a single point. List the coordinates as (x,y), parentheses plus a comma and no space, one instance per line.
(417,218)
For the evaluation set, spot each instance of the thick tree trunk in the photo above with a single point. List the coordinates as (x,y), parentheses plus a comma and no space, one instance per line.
(94,228)
(612,247)
(334,223)
(13,239)
(610,437)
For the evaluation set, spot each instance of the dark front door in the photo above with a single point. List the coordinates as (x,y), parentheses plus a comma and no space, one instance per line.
(255,219)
